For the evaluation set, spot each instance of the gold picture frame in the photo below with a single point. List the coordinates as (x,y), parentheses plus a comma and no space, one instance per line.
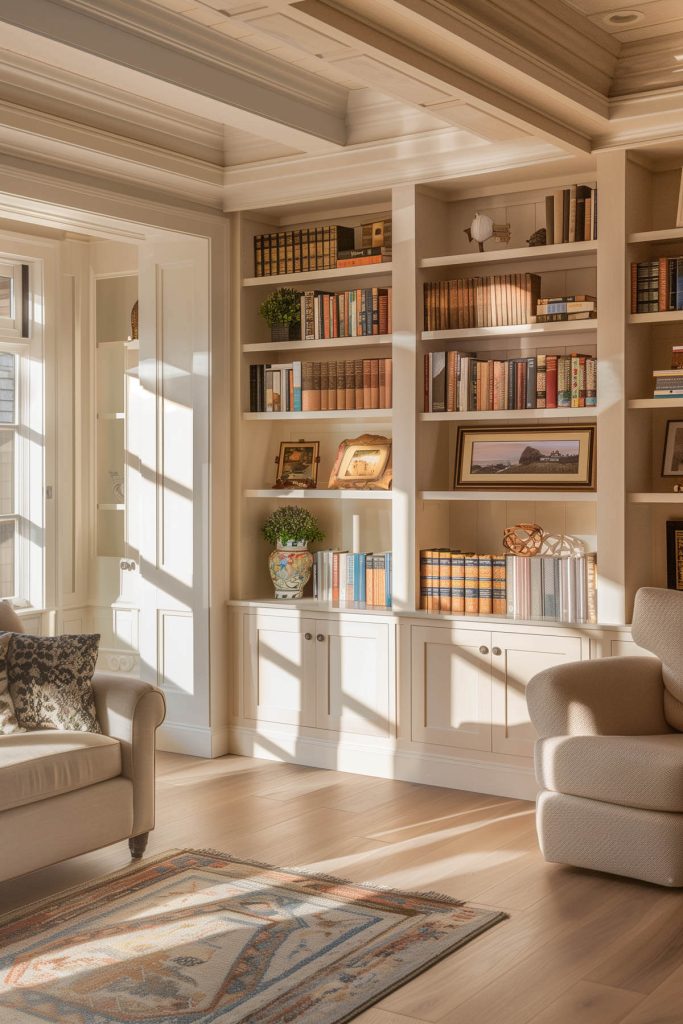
(297,465)
(363,463)
(525,458)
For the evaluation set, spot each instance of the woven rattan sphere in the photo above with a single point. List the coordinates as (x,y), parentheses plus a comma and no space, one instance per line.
(523,539)
(560,545)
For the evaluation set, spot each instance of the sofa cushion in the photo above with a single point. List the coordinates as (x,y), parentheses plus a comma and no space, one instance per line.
(38,765)
(8,718)
(634,771)
(50,681)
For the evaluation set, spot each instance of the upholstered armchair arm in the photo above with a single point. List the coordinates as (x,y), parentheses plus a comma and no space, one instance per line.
(131,711)
(606,697)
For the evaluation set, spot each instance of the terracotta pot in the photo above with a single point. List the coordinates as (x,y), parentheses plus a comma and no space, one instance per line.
(290,570)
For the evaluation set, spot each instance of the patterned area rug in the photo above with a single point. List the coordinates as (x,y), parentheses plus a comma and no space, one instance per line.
(198,937)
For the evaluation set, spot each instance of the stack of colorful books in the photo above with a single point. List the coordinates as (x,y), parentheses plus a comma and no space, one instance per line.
(668,383)
(657,285)
(566,307)
(351,314)
(347,579)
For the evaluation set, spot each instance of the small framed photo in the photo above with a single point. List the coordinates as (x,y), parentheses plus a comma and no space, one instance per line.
(363,463)
(530,458)
(674,554)
(297,464)
(672,460)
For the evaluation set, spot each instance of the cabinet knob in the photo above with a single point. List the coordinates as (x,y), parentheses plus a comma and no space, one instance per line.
(497,651)
(320,637)
(308,636)
(483,649)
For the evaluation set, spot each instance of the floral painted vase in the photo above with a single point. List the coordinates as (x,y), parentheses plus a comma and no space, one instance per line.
(290,569)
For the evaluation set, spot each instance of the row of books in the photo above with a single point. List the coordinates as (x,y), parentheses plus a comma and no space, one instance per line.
(361,579)
(498,301)
(571,214)
(324,247)
(657,285)
(565,307)
(312,386)
(460,382)
(562,588)
(356,313)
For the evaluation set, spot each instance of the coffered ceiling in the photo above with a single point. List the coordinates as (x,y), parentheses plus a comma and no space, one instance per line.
(237,103)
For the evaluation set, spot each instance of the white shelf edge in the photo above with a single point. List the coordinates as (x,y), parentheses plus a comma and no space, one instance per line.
(322,494)
(663,235)
(514,331)
(516,415)
(511,255)
(320,344)
(105,507)
(654,498)
(669,316)
(111,416)
(327,414)
(339,274)
(511,495)
(655,403)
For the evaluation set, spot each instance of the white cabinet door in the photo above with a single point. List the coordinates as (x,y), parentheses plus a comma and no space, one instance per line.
(352,672)
(279,669)
(451,687)
(517,657)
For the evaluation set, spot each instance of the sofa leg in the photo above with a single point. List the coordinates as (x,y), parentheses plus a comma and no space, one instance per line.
(138,845)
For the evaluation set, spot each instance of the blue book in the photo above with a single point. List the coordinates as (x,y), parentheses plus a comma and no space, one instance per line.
(296,380)
(361,578)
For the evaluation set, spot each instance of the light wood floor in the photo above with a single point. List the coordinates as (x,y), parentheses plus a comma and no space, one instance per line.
(579,948)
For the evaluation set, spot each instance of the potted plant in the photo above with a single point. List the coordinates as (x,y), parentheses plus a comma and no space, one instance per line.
(282,312)
(291,529)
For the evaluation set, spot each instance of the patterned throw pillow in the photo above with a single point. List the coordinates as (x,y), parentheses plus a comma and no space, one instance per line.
(50,681)
(8,719)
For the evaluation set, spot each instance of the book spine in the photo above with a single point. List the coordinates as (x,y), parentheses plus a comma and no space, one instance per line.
(471,585)
(444,600)
(499,603)
(485,584)
(457,583)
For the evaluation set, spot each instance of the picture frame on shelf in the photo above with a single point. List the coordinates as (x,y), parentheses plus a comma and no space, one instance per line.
(363,463)
(297,465)
(674,554)
(528,458)
(672,455)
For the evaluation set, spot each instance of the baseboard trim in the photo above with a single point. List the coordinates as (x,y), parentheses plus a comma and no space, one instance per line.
(386,760)
(196,740)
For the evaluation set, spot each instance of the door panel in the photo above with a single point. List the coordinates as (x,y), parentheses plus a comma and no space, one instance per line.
(451,687)
(522,656)
(352,669)
(279,669)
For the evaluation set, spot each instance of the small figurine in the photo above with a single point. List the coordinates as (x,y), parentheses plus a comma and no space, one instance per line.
(482,228)
(538,238)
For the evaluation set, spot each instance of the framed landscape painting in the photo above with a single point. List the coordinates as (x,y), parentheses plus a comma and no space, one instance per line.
(528,458)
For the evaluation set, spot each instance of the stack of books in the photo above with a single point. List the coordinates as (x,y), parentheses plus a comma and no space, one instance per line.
(538,587)
(375,246)
(571,214)
(350,314)
(668,383)
(361,580)
(460,382)
(376,232)
(294,252)
(314,387)
(566,307)
(499,301)
(657,285)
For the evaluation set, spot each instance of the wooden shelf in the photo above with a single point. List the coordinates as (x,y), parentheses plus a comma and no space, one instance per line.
(327,414)
(308,606)
(670,316)
(515,331)
(511,255)
(504,495)
(320,344)
(656,403)
(322,494)
(655,498)
(340,274)
(514,415)
(663,235)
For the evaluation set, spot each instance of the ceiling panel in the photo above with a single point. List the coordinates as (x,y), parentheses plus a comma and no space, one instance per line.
(633,20)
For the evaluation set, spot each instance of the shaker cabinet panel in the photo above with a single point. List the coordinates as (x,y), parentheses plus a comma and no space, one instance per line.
(353,684)
(279,669)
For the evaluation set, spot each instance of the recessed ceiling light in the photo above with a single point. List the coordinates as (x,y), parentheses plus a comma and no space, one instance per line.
(621,18)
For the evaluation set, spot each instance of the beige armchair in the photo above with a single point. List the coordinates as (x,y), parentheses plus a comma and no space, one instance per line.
(609,759)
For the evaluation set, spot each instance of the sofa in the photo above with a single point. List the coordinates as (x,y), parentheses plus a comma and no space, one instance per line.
(609,758)
(66,793)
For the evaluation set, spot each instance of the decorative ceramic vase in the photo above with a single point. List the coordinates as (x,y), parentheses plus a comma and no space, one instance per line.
(290,569)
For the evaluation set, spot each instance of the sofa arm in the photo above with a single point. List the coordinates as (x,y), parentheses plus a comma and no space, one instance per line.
(130,711)
(605,697)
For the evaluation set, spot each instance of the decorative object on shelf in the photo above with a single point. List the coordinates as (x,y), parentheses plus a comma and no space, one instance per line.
(538,238)
(562,545)
(523,539)
(297,464)
(134,322)
(116,485)
(533,458)
(672,459)
(291,528)
(282,312)
(674,554)
(363,463)
(482,228)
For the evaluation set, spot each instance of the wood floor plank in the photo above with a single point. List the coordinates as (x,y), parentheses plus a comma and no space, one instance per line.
(663,1006)
(587,1003)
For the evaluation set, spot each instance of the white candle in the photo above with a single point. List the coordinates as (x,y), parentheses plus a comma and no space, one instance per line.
(356,534)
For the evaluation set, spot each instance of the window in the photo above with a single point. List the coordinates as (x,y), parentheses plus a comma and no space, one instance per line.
(8,484)
(14,300)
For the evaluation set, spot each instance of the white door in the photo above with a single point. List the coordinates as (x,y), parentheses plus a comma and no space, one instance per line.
(451,686)
(279,669)
(352,672)
(517,657)
(169,517)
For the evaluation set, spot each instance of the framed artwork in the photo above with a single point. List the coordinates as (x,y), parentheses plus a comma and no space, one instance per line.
(674,554)
(528,458)
(363,463)
(672,459)
(297,464)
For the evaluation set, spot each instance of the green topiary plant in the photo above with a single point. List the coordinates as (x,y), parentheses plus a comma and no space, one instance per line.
(291,523)
(282,307)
